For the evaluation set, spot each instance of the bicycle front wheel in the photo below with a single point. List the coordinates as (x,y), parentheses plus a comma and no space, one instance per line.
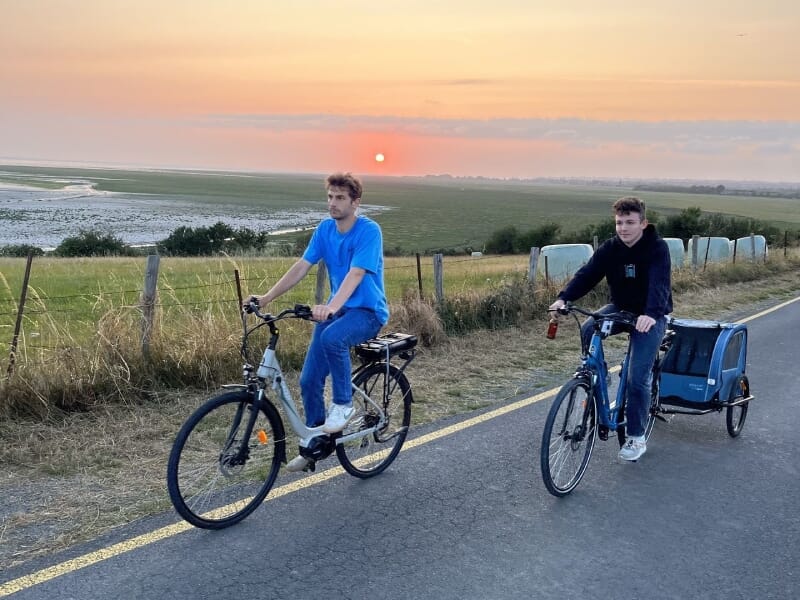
(367,455)
(570,432)
(215,476)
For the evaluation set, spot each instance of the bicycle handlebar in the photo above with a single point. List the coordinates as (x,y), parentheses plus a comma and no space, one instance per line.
(623,316)
(300,311)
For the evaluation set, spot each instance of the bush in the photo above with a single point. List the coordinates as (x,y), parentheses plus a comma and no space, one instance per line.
(503,241)
(21,250)
(509,240)
(200,241)
(91,242)
(541,236)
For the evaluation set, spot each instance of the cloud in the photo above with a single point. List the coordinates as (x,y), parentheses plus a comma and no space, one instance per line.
(701,137)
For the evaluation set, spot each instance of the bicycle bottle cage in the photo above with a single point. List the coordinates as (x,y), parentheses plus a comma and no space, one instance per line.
(395,343)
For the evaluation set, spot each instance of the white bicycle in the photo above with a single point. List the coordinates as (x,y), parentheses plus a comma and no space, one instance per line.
(226,456)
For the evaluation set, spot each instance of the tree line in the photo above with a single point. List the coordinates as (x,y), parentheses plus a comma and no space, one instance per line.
(690,221)
(220,237)
(184,241)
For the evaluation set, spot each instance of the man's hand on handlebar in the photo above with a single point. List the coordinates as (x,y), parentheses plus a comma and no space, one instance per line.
(556,309)
(321,312)
(253,302)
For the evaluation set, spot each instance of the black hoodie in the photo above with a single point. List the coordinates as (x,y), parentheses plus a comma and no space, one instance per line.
(638,277)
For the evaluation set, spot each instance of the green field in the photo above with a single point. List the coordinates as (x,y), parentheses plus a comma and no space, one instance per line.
(424,213)
(67,297)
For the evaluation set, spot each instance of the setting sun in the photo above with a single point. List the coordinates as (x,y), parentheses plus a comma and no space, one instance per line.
(379,157)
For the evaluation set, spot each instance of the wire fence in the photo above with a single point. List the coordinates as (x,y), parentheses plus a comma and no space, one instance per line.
(50,320)
(47,318)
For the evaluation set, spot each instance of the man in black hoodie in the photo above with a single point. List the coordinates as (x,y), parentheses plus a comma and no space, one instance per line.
(636,265)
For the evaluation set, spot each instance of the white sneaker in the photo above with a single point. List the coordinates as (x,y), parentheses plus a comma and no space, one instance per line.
(633,449)
(338,416)
(298,463)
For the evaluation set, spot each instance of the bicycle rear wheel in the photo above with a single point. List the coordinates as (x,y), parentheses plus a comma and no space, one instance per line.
(655,391)
(652,411)
(570,432)
(369,455)
(216,477)
(735,415)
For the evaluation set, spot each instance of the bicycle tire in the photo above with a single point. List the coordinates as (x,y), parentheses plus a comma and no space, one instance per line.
(735,415)
(370,455)
(655,394)
(210,483)
(569,437)
(652,411)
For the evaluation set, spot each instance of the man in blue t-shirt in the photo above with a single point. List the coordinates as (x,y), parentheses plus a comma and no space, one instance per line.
(352,248)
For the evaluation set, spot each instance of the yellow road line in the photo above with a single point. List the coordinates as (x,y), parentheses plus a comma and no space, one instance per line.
(38,577)
(27,581)
(769,310)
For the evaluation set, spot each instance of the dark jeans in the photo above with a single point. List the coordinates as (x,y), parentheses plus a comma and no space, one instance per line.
(644,347)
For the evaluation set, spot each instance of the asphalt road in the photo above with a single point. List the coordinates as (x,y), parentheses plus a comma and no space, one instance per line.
(466,515)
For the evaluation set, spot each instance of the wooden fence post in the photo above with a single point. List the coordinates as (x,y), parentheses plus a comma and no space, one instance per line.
(532,264)
(438,277)
(238,290)
(322,280)
(595,242)
(22,297)
(546,271)
(419,276)
(753,245)
(735,244)
(708,249)
(695,241)
(148,302)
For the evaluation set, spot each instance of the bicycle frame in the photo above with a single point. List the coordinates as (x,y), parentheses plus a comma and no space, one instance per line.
(270,375)
(594,364)
(270,370)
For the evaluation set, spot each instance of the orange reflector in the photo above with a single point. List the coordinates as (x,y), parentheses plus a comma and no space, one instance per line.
(262,436)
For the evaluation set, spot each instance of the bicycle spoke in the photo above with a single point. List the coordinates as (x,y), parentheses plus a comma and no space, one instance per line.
(213,471)
(565,454)
(383,425)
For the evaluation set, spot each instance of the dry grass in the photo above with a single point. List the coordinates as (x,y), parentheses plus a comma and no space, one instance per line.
(70,476)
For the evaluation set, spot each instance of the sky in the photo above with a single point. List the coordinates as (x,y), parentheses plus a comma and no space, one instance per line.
(684,89)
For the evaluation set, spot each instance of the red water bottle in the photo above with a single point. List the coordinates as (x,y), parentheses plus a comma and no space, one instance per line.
(552,328)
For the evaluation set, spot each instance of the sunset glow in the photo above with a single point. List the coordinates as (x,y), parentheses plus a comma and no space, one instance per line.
(513,89)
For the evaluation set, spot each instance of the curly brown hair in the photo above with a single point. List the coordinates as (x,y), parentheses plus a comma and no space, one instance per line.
(346,180)
(629,204)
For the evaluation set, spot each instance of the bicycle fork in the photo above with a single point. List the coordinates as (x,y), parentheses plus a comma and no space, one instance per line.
(236,450)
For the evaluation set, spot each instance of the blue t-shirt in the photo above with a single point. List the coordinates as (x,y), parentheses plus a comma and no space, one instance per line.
(361,246)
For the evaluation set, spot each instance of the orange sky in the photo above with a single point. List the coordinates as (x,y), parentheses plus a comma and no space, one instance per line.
(305,86)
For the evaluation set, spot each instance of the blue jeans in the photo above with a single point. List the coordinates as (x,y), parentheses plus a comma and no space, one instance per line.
(329,353)
(644,347)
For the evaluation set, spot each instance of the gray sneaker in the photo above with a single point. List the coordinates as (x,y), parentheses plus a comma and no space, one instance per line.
(633,448)
(338,416)
(298,463)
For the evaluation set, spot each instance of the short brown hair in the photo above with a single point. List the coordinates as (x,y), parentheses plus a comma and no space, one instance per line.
(629,204)
(346,180)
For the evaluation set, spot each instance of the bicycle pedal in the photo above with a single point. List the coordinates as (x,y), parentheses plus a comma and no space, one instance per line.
(602,433)
(311,467)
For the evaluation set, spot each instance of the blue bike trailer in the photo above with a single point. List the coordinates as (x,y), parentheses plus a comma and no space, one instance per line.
(703,364)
